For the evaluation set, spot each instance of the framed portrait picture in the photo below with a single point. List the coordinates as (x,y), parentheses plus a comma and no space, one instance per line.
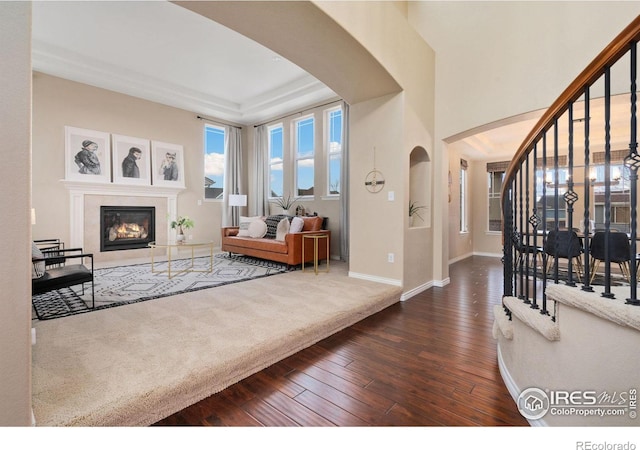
(167,164)
(131,160)
(87,155)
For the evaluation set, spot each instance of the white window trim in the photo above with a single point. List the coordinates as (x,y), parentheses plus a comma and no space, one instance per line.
(328,152)
(269,128)
(209,125)
(464,202)
(295,158)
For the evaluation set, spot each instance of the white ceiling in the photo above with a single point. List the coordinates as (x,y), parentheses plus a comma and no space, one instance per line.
(164,53)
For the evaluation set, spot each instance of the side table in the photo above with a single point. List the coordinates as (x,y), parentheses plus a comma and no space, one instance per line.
(316,238)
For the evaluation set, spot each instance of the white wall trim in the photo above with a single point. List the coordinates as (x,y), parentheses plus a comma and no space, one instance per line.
(492,255)
(460,258)
(442,283)
(415,291)
(513,388)
(382,280)
(78,189)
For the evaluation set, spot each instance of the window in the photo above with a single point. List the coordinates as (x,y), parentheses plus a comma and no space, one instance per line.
(334,150)
(545,184)
(276,168)
(495,205)
(214,138)
(304,156)
(463,197)
(620,200)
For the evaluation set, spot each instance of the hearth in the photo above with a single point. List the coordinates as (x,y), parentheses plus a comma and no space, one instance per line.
(126,227)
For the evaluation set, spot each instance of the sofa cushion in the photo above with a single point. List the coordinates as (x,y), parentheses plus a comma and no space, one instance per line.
(272,225)
(256,244)
(257,229)
(282,229)
(296,225)
(312,223)
(243,230)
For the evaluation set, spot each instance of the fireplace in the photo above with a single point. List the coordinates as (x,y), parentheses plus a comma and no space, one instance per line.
(126,227)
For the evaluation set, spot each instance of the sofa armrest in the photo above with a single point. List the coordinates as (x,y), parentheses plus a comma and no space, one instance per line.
(229,231)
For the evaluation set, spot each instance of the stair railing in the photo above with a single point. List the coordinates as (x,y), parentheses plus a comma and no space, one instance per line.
(540,194)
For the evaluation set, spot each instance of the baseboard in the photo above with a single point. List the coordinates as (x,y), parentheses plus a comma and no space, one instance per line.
(382,280)
(415,291)
(460,258)
(442,283)
(513,388)
(492,255)
(470,254)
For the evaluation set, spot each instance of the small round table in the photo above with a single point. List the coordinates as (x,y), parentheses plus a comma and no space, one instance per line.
(316,238)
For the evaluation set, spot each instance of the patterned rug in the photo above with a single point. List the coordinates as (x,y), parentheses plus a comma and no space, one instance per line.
(122,285)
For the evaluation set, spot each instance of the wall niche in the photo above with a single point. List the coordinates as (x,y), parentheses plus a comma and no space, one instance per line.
(419,195)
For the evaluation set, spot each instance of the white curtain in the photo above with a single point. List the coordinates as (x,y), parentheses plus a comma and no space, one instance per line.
(232,175)
(259,203)
(344,186)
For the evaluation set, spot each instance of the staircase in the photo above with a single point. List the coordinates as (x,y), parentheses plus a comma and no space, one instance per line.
(567,341)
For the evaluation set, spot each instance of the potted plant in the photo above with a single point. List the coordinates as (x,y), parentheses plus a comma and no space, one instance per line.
(180,224)
(285,203)
(414,211)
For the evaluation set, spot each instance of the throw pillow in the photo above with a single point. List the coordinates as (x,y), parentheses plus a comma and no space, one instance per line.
(296,225)
(272,225)
(38,268)
(244,225)
(257,229)
(282,229)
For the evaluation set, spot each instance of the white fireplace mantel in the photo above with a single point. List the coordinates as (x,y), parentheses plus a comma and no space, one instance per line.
(78,190)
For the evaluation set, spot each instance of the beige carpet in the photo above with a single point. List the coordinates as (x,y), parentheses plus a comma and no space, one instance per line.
(136,364)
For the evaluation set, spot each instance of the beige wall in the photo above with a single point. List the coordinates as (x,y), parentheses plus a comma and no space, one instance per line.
(394,125)
(15,266)
(494,44)
(58,102)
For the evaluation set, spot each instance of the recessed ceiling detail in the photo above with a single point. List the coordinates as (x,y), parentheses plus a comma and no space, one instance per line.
(164,53)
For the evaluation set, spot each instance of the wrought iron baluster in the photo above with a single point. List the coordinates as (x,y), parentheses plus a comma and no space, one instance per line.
(607,183)
(570,196)
(527,238)
(632,161)
(587,226)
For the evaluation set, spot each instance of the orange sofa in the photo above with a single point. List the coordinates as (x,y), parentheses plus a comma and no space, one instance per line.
(288,251)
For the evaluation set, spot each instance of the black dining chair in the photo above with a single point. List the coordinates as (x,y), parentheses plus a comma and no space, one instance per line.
(564,244)
(532,253)
(619,252)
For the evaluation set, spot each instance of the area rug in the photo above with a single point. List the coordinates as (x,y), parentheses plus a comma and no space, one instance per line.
(139,363)
(122,285)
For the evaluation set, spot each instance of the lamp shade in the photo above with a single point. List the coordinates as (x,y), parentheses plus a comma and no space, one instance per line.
(237,200)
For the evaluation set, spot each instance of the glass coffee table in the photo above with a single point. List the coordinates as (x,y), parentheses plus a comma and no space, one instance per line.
(172,247)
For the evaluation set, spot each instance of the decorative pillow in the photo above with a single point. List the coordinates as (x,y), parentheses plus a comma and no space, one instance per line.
(296,225)
(313,223)
(282,229)
(272,225)
(38,268)
(257,229)
(244,225)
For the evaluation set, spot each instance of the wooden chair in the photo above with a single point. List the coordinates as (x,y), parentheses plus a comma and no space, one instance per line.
(53,272)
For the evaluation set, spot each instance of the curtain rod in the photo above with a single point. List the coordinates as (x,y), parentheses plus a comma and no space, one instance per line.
(217,122)
(298,112)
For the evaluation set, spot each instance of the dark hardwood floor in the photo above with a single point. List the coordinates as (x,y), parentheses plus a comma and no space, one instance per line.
(429,361)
